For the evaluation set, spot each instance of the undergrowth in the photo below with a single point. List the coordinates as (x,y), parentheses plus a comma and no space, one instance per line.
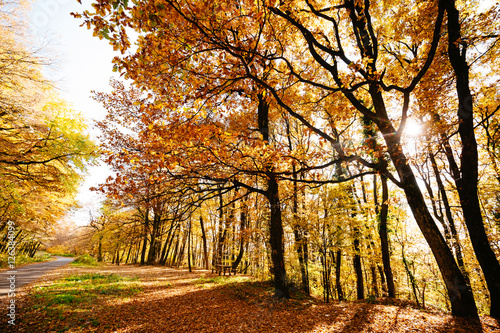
(76,295)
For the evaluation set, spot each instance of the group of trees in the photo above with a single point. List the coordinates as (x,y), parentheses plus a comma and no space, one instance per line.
(43,145)
(285,121)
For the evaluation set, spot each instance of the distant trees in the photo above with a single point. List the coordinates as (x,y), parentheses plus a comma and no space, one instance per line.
(43,145)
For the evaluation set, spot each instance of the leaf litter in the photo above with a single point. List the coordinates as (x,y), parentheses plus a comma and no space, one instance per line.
(174,300)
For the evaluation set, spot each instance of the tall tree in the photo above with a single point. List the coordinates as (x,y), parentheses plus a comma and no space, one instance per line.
(467,180)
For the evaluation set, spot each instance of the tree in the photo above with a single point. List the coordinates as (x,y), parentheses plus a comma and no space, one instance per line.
(467,179)
(44,149)
(318,61)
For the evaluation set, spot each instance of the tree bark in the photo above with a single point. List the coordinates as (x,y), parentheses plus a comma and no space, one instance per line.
(275,223)
(145,236)
(204,237)
(189,245)
(360,291)
(384,239)
(276,239)
(243,219)
(338,285)
(467,183)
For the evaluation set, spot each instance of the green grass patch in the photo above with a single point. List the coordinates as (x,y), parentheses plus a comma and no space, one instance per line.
(86,288)
(85,261)
(71,301)
(22,259)
(69,255)
(221,280)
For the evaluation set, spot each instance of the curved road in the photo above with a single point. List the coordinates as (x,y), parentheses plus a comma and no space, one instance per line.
(26,274)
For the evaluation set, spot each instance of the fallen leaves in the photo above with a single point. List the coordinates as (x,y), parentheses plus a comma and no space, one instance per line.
(174,300)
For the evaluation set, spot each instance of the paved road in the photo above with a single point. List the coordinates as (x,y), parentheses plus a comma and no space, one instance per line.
(26,274)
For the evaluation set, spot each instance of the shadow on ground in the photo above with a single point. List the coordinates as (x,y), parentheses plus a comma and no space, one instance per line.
(178,301)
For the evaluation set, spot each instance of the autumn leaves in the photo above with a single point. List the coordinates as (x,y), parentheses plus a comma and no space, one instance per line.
(258,95)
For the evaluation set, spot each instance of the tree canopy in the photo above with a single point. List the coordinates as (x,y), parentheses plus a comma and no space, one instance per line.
(298,103)
(44,147)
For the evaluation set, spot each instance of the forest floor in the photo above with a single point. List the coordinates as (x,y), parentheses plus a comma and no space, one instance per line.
(158,299)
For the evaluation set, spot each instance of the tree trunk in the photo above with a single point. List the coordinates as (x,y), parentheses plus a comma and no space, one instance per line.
(145,236)
(384,239)
(460,295)
(276,224)
(467,183)
(360,291)
(338,285)
(189,245)
(298,228)
(454,239)
(99,253)
(204,237)
(166,244)
(276,239)
(242,239)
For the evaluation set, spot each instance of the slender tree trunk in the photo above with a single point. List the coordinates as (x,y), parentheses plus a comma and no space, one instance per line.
(180,255)
(384,239)
(153,245)
(129,250)
(163,256)
(373,272)
(410,275)
(382,280)
(298,228)
(326,275)
(172,260)
(136,256)
(145,236)
(338,266)
(467,183)
(189,245)
(204,237)
(360,291)
(99,253)
(221,238)
(241,250)
(454,239)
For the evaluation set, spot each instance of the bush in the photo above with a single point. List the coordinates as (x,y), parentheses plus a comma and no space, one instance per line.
(85,260)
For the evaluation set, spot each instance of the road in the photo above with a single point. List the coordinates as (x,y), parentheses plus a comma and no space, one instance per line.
(26,274)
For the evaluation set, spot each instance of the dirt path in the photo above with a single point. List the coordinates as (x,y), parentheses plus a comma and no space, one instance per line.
(21,276)
(174,300)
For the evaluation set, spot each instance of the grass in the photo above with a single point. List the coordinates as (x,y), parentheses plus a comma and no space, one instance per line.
(70,255)
(85,261)
(221,280)
(75,296)
(22,259)
(85,288)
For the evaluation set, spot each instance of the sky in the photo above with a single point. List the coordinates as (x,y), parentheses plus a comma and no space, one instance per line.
(82,63)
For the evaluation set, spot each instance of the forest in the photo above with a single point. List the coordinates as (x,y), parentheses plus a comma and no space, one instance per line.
(346,150)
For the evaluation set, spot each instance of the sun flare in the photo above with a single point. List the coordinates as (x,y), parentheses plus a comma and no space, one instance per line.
(412,128)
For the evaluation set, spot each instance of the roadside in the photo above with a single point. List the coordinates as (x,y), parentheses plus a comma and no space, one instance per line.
(23,260)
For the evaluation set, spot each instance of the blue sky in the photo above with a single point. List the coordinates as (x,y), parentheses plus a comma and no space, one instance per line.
(82,63)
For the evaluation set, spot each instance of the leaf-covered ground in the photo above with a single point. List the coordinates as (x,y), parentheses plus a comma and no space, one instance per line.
(157,299)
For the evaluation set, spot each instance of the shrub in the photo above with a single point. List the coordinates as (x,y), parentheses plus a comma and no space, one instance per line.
(85,260)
